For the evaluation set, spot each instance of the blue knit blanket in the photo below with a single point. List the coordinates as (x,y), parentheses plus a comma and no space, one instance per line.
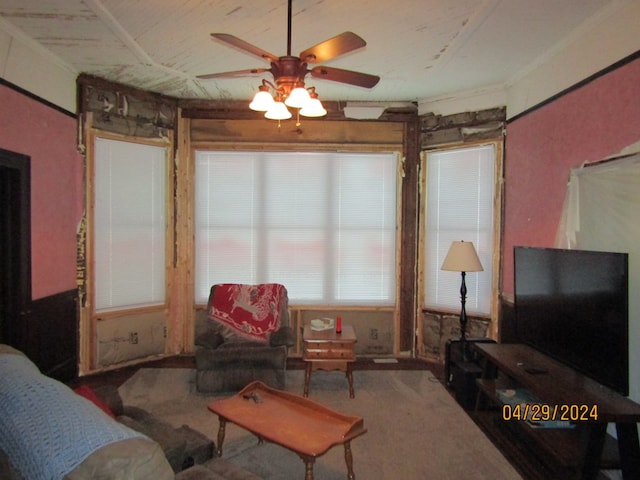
(45,428)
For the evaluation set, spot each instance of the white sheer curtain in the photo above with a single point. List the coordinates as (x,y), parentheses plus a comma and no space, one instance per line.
(602,212)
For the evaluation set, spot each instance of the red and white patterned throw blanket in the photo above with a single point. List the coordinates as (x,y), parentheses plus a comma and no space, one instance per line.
(252,311)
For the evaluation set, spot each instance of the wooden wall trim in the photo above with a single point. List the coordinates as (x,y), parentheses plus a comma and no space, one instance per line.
(239,110)
(37,98)
(310,133)
(409,240)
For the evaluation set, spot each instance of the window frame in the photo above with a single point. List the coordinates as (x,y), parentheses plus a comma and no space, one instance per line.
(497,232)
(353,148)
(91,226)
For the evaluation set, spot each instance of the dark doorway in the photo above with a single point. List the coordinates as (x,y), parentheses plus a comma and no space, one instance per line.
(46,329)
(15,247)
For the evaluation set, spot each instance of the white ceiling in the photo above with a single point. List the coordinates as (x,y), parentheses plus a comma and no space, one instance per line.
(420,48)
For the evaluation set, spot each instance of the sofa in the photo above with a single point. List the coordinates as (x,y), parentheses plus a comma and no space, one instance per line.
(243,336)
(182,446)
(49,431)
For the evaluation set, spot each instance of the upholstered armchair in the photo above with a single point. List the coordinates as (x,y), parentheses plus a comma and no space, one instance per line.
(244,336)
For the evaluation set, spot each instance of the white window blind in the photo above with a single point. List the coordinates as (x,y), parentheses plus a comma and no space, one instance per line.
(460,191)
(130,224)
(322,224)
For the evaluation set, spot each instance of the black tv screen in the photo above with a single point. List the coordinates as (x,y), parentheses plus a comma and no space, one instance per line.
(573,306)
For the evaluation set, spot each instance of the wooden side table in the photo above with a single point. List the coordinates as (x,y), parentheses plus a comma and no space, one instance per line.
(328,350)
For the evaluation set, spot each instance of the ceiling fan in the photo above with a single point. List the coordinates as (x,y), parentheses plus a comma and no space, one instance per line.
(290,71)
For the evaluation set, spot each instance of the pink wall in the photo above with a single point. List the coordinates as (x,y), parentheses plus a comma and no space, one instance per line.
(590,123)
(48,136)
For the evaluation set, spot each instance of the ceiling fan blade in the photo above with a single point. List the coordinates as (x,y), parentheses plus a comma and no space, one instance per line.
(345,76)
(246,46)
(332,48)
(237,73)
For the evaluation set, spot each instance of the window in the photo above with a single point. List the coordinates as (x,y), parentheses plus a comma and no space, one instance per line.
(323,224)
(130,224)
(460,190)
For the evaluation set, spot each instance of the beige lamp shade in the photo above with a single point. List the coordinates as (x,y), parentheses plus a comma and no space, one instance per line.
(462,257)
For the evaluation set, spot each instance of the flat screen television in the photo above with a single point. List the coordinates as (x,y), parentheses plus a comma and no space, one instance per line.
(573,306)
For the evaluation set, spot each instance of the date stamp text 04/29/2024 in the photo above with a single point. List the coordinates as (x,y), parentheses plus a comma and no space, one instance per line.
(540,412)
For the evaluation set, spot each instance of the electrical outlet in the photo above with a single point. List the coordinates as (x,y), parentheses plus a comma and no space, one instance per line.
(373,333)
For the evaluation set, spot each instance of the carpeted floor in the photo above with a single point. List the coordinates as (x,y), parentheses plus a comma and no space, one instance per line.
(415,429)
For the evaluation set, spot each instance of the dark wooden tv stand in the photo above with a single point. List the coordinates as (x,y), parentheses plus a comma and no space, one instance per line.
(579,449)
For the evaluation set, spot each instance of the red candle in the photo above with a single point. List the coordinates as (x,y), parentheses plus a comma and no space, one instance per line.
(339,325)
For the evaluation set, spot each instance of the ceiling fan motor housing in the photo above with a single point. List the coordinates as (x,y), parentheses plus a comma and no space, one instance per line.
(288,73)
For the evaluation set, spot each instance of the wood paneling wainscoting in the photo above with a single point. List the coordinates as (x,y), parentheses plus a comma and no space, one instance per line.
(52,334)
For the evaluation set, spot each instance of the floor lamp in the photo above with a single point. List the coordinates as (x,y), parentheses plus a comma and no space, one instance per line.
(462,257)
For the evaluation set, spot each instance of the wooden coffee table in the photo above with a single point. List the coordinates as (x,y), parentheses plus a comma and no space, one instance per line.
(328,350)
(291,421)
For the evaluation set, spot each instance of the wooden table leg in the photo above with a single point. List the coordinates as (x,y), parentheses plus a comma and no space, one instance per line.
(348,457)
(221,430)
(307,377)
(308,466)
(350,380)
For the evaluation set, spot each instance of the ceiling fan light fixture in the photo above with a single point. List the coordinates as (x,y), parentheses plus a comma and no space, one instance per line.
(298,98)
(289,71)
(313,109)
(278,111)
(262,101)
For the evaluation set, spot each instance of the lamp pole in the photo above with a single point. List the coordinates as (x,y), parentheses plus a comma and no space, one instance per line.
(463,317)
